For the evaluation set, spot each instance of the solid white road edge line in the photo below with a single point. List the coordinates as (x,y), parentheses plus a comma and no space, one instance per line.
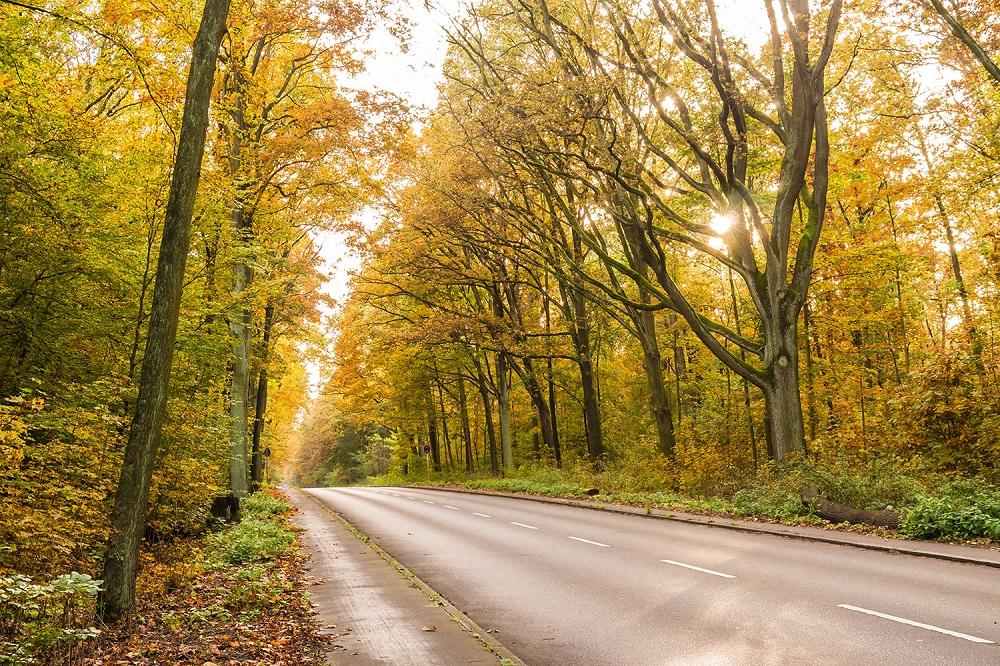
(453,508)
(530,527)
(593,543)
(691,566)
(481,515)
(913,623)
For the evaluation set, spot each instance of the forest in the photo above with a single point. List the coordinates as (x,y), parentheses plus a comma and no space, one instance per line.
(685,253)
(640,248)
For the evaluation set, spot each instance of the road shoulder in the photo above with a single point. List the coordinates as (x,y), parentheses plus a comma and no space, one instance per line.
(943,551)
(375,611)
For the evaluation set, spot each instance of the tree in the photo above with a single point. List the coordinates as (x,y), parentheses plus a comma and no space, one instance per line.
(131,498)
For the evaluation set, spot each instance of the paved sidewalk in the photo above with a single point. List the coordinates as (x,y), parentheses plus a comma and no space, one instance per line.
(983,556)
(374,613)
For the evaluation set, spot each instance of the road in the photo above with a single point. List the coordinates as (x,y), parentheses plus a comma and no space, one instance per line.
(563,585)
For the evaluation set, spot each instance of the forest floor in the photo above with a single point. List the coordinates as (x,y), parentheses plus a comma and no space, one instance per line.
(239,596)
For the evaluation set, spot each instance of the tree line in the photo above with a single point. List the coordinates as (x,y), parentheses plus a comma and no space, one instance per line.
(168,175)
(632,237)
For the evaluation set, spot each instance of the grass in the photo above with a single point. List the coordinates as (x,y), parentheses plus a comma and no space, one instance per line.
(931,505)
(260,535)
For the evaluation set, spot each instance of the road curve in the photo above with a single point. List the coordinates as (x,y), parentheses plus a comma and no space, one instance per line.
(565,585)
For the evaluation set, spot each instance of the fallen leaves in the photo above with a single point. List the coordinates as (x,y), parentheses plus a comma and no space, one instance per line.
(250,615)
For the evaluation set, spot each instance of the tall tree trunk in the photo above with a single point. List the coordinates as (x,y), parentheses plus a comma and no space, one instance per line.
(491,434)
(503,400)
(432,434)
(659,396)
(550,380)
(260,405)
(588,384)
(781,395)
(132,496)
(239,329)
(463,408)
(239,313)
(526,371)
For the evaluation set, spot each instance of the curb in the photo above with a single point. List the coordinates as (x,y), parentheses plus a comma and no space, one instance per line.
(898,547)
(506,657)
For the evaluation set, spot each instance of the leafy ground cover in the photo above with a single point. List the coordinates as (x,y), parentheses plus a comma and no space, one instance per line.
(237,596)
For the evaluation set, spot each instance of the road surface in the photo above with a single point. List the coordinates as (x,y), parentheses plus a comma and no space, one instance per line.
(564,585)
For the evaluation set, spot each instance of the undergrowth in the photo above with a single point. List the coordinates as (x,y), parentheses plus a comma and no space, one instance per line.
(931,505)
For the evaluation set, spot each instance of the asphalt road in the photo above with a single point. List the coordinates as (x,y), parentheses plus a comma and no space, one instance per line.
(563,585)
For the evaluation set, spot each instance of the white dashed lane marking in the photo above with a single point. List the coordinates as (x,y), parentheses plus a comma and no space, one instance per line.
(530,527)
(593,543)
(694,568)
(914,623)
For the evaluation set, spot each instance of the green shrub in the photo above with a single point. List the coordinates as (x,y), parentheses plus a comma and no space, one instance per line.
(967,510)
(263,505)
(256,587)
(770,501)
(528,486)
(873,484)
(48,620)
(251,540)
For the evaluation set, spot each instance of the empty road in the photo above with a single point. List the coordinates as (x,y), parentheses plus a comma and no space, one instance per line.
(562,585)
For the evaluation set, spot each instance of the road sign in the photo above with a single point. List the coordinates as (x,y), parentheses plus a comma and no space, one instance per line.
(267,452)
(427,449)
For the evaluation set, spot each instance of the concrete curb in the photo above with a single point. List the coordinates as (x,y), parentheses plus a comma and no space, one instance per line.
(897,546)
(506,657)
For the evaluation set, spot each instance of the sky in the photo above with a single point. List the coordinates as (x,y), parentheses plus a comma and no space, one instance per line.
(414,75)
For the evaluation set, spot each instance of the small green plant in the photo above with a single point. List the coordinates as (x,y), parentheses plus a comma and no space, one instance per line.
(255,587)
(251,540)
(769,501)
(45,620)
(263,505)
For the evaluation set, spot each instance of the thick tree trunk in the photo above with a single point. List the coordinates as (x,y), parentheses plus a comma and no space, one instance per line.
(659,397)
(128,516)
(781,397)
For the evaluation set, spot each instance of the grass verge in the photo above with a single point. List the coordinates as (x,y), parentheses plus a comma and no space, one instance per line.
(930,506)
(234,597)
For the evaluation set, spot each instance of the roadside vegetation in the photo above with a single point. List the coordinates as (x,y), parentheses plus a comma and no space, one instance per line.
(236,594)
(930,506)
